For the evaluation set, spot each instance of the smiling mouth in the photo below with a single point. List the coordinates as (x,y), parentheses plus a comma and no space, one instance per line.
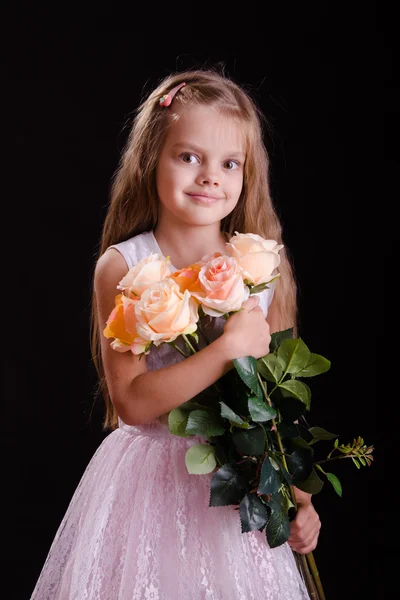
(205,197)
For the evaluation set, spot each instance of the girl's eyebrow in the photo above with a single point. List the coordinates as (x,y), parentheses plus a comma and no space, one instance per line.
(188,145)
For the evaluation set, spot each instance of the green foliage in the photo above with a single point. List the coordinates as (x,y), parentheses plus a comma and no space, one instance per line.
(200,459)
(258,442)
(253,513)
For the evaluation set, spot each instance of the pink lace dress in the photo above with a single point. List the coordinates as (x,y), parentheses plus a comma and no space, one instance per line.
(139,527)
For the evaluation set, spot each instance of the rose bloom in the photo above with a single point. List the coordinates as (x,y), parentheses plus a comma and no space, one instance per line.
(222,286)
(257,256)
(149,270)
(208,257)
(121,325)
(164,312)
(188,278)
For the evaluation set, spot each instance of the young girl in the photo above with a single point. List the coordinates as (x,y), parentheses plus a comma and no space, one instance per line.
(139,527)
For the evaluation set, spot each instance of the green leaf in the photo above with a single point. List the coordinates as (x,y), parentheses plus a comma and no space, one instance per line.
(269,479)
(288,430)
(284,472)
(308,404)
(227,413)
(220,454)
(225,450)
(278,337)
(300,463)
(298,390)
(301,443)
(335,482)
(234,392)
(246,366)
(276,502)
(290,408)
(204,423)
(312,485)
(250,442)
(319,433)
(260,411)
(190,405)
(200,459)
(253,513)
(278,529)
(259,288)
(177,420)
(317,364)
(293,355)
(304,433)
(270,368)
(228,486)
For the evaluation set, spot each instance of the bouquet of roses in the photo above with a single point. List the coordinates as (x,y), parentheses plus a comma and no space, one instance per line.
(257,442)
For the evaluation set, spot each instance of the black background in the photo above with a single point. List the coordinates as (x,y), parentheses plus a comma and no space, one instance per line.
(330,94)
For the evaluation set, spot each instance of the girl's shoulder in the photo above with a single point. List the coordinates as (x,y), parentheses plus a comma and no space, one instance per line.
(136,248)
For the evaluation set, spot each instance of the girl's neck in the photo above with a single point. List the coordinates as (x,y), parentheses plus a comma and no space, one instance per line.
(187,246)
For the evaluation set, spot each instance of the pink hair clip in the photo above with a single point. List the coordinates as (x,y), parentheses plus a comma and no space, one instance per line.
(167,99)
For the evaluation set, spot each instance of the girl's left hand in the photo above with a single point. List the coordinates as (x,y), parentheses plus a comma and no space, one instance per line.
(305,527)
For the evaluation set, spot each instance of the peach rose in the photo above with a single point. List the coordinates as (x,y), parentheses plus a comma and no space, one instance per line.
(164,312)
(208,257)
(223,289)
(257,256)
(121,325)
(149,270)
(188,278)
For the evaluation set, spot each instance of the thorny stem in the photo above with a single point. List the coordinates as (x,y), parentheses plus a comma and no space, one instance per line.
(188,343)
(215,384)
(314,583)
(313,566)
(278,437)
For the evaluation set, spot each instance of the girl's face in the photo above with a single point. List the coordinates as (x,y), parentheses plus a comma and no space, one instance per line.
(200,170)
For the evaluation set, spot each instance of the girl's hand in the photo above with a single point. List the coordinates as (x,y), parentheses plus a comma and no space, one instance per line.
(305,527)
(247,332)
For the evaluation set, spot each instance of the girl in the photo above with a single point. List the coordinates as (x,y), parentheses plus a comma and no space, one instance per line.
(194,171)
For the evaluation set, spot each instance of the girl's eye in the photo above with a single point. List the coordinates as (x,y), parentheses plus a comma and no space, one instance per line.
(231,164)
(190,159)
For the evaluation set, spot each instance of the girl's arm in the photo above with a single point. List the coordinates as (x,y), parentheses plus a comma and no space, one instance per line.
(139,395)
(153,393)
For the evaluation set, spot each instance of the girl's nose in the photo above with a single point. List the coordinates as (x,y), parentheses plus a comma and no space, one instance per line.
(208,176)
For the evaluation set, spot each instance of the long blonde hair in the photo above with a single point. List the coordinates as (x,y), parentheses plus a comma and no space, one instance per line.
(133,207)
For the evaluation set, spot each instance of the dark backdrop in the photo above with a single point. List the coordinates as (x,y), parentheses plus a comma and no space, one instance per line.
(71,96)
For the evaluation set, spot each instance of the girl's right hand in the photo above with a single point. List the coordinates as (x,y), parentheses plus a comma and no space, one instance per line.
(246,332)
